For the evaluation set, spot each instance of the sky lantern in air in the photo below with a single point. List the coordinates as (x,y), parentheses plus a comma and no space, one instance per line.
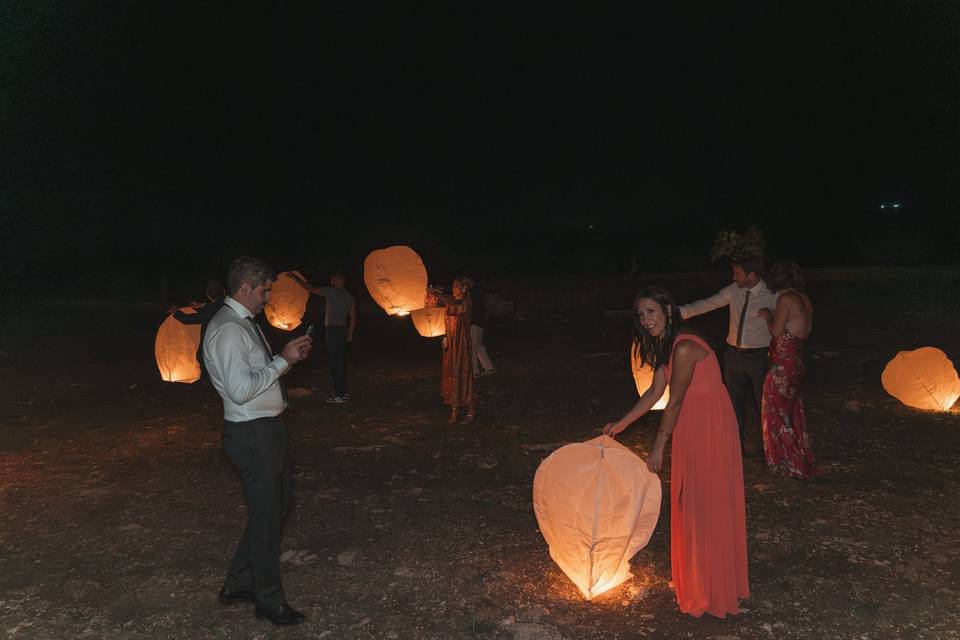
(288,302)
(597,505)
(396,279)
(176,349)
(923,379)
(429,321)
(643,377)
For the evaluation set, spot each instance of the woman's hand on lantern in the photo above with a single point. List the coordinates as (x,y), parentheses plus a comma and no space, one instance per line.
(765,313)
(297,349)
(612,429)
(300,281)
(655,460)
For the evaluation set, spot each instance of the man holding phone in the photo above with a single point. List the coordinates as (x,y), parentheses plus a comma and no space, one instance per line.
(339,320)
(246,374)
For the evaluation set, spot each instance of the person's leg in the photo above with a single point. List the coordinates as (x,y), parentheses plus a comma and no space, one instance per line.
(259,451)
(337,352)
(758,362)
(474,345)
(486,364)
(738,385)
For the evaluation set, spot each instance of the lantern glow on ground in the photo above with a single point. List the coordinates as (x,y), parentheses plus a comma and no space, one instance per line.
(643,377)
(597,505)
(429,321)
(288,302)
(923,379)
(396,279)
(176,349)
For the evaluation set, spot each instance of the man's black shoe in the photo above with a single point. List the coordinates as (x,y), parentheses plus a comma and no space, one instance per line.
(285,616)
(233,597)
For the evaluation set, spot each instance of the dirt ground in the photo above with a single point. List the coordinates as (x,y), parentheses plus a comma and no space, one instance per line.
(119,511)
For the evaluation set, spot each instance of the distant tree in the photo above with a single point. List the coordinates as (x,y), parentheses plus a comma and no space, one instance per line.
(735,245)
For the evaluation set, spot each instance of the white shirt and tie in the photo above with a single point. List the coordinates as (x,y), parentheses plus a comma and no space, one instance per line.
(744,303)
(242,369)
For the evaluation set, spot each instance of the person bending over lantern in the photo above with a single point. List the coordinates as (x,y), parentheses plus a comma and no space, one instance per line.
(708,529)
(786,446)
(457,363)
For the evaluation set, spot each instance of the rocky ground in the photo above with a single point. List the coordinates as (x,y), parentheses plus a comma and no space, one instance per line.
(118,510)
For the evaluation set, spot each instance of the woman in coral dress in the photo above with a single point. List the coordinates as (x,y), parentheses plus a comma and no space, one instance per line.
(786,445)
(708,531)
(456,377)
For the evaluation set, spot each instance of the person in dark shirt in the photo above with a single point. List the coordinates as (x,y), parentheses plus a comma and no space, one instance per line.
(215,293)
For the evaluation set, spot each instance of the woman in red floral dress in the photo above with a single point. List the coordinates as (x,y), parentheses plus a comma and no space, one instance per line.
(457,369)
(786,445)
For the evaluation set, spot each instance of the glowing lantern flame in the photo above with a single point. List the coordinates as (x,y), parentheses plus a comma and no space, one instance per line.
(923,379)
(176,350)
(288,302)
(597,505)
(429,321)
(396,279)
(643,377)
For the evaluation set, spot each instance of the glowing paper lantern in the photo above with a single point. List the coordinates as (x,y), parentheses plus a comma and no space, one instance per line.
(396,279)
(429,321)
(176,349)
(643,377)
(923,379)
(597,505)
(288,302)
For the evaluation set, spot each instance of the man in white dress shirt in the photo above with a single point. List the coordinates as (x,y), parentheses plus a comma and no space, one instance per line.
(246,374)
(748,337)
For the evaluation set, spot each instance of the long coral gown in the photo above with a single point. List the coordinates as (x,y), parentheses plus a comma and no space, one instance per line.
(708,524)
(786,445)
(456,378)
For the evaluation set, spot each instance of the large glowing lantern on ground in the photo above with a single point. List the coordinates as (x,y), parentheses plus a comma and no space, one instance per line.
(396,279)
(597,505)
(176,350)
(429,321)
(643,377)
(288,302)
(923,379)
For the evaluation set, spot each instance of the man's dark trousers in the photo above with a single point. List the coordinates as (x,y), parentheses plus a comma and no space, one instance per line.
(743,374)
(337,352)
(258,449)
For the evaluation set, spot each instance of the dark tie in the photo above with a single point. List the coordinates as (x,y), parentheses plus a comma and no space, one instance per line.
(743,318)
(266,347)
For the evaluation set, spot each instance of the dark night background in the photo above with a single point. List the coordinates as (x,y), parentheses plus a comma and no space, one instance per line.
(150,140)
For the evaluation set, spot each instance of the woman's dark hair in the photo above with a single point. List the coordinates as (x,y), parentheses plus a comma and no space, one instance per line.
(785,274)
(214,289)
(656,351)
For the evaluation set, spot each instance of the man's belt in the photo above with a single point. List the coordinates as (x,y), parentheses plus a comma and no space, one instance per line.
(748,349)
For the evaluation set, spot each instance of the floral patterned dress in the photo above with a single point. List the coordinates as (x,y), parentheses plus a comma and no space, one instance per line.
(457,371)
(786,445)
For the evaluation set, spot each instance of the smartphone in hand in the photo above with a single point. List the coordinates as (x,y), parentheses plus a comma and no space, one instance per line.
(310,328)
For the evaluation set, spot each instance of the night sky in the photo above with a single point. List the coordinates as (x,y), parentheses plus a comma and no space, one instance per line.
(166,137)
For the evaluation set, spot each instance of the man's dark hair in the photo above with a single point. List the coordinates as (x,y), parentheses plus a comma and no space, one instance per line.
(253,271)
(750,264)
(337,272)
(785,274)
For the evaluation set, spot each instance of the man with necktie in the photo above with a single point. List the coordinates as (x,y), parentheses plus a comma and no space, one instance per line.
(748,338)
(246,374)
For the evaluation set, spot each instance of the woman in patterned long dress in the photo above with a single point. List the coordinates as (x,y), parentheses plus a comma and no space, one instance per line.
(786,445)
(708,524)
(456,378)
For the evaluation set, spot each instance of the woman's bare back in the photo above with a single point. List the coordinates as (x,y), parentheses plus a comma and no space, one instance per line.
(799,313)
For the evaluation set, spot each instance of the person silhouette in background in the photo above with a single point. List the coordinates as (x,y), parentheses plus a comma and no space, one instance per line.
(215,293)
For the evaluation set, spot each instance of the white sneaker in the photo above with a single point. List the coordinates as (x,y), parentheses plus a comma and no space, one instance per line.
(337,400)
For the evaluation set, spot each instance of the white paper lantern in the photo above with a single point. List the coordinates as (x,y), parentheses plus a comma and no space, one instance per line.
(176,349)
(396,279)
(430,321)
(288,302)
(924,379)
(597,504)
(643,378)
